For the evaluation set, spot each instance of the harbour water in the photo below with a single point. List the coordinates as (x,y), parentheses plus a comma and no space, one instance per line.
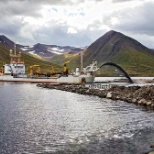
(36,120)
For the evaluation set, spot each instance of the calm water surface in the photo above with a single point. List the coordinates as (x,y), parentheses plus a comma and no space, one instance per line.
(35,120)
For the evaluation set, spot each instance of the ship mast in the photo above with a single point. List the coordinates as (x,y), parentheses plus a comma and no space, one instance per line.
(15,58)
(15,49)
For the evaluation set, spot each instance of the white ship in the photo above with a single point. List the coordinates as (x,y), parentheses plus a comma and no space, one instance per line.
(15,72)
(16,65)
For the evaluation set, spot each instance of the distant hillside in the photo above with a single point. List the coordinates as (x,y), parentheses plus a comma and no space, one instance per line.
(45,66)
(48,51)
(39,50)
(9,43)
(74,59)
(135,58)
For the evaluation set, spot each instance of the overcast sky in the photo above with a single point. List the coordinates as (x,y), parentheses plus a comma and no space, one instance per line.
(75,22)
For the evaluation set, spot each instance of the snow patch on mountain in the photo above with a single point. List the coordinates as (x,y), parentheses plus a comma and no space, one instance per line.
(55,50)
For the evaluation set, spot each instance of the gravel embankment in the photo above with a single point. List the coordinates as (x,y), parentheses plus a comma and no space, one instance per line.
(141,95)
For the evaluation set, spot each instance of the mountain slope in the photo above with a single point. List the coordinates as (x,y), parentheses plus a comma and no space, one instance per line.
(136,63)
(73,58)
(111,43)
(113,46)
(9,43)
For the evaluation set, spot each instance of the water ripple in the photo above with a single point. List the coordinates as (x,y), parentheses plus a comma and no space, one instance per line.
(36,120)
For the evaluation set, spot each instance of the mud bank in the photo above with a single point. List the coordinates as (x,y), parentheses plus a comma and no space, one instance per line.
(140,95)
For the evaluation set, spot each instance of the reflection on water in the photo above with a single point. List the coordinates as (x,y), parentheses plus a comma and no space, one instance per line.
(36,120)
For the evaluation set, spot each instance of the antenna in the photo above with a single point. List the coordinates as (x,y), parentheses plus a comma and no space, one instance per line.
(15,49)
(10,51)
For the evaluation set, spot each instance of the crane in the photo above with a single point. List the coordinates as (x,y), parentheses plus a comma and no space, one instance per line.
(32,69)
(2,70)
(66,70)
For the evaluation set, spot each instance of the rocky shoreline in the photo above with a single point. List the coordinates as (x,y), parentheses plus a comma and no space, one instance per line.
(140,95)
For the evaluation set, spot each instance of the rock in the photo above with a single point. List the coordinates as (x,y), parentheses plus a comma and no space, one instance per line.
(152,152)
(134,100)
(143,95)
(124,99)
(87,91)
(152,105)
(129,100)
(117,97)
(148,103)
(142,101)
(109,95)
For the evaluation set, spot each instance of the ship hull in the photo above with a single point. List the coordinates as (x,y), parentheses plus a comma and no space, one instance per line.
(69,79)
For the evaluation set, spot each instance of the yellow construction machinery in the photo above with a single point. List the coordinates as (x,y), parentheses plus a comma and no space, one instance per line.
(31,69)
(2,70)
(35,70)
(66,70)
(52,70)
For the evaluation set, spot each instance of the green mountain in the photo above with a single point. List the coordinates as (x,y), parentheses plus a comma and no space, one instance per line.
(115,47)
(29,60)
(135,58)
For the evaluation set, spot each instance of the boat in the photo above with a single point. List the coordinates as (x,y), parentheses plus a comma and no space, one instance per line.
(15,72)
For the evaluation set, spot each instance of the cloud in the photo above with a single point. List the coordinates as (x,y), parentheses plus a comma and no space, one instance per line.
(19,8)
(11,28)
(116,1)
(58,35)
(71,30)
(135,20)
(75,22)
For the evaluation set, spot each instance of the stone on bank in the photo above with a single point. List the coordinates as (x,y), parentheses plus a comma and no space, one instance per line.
(140,95)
